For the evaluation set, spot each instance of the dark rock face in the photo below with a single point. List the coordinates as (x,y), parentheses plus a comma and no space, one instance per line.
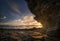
(46,11)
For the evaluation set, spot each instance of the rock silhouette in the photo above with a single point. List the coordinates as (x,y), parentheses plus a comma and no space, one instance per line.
(48,13)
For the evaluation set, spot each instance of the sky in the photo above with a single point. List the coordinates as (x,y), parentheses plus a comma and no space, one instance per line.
(16,12)
(11,10)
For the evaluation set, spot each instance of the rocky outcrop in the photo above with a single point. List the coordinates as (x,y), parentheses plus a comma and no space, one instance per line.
(46,11)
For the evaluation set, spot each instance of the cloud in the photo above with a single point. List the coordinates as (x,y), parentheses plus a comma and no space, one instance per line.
(14,6)
(4,17)
(26,20)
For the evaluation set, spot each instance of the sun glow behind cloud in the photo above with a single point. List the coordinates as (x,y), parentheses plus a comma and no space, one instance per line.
(27,20)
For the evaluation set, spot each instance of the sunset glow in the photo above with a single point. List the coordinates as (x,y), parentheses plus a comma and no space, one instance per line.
(25,21)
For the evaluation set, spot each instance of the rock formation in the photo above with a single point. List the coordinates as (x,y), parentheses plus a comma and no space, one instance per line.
(46,11)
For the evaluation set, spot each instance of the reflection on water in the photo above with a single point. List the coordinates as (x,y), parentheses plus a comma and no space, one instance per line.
(32,34)
(21,35)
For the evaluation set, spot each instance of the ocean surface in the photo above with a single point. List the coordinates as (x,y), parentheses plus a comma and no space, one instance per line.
(21,34)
